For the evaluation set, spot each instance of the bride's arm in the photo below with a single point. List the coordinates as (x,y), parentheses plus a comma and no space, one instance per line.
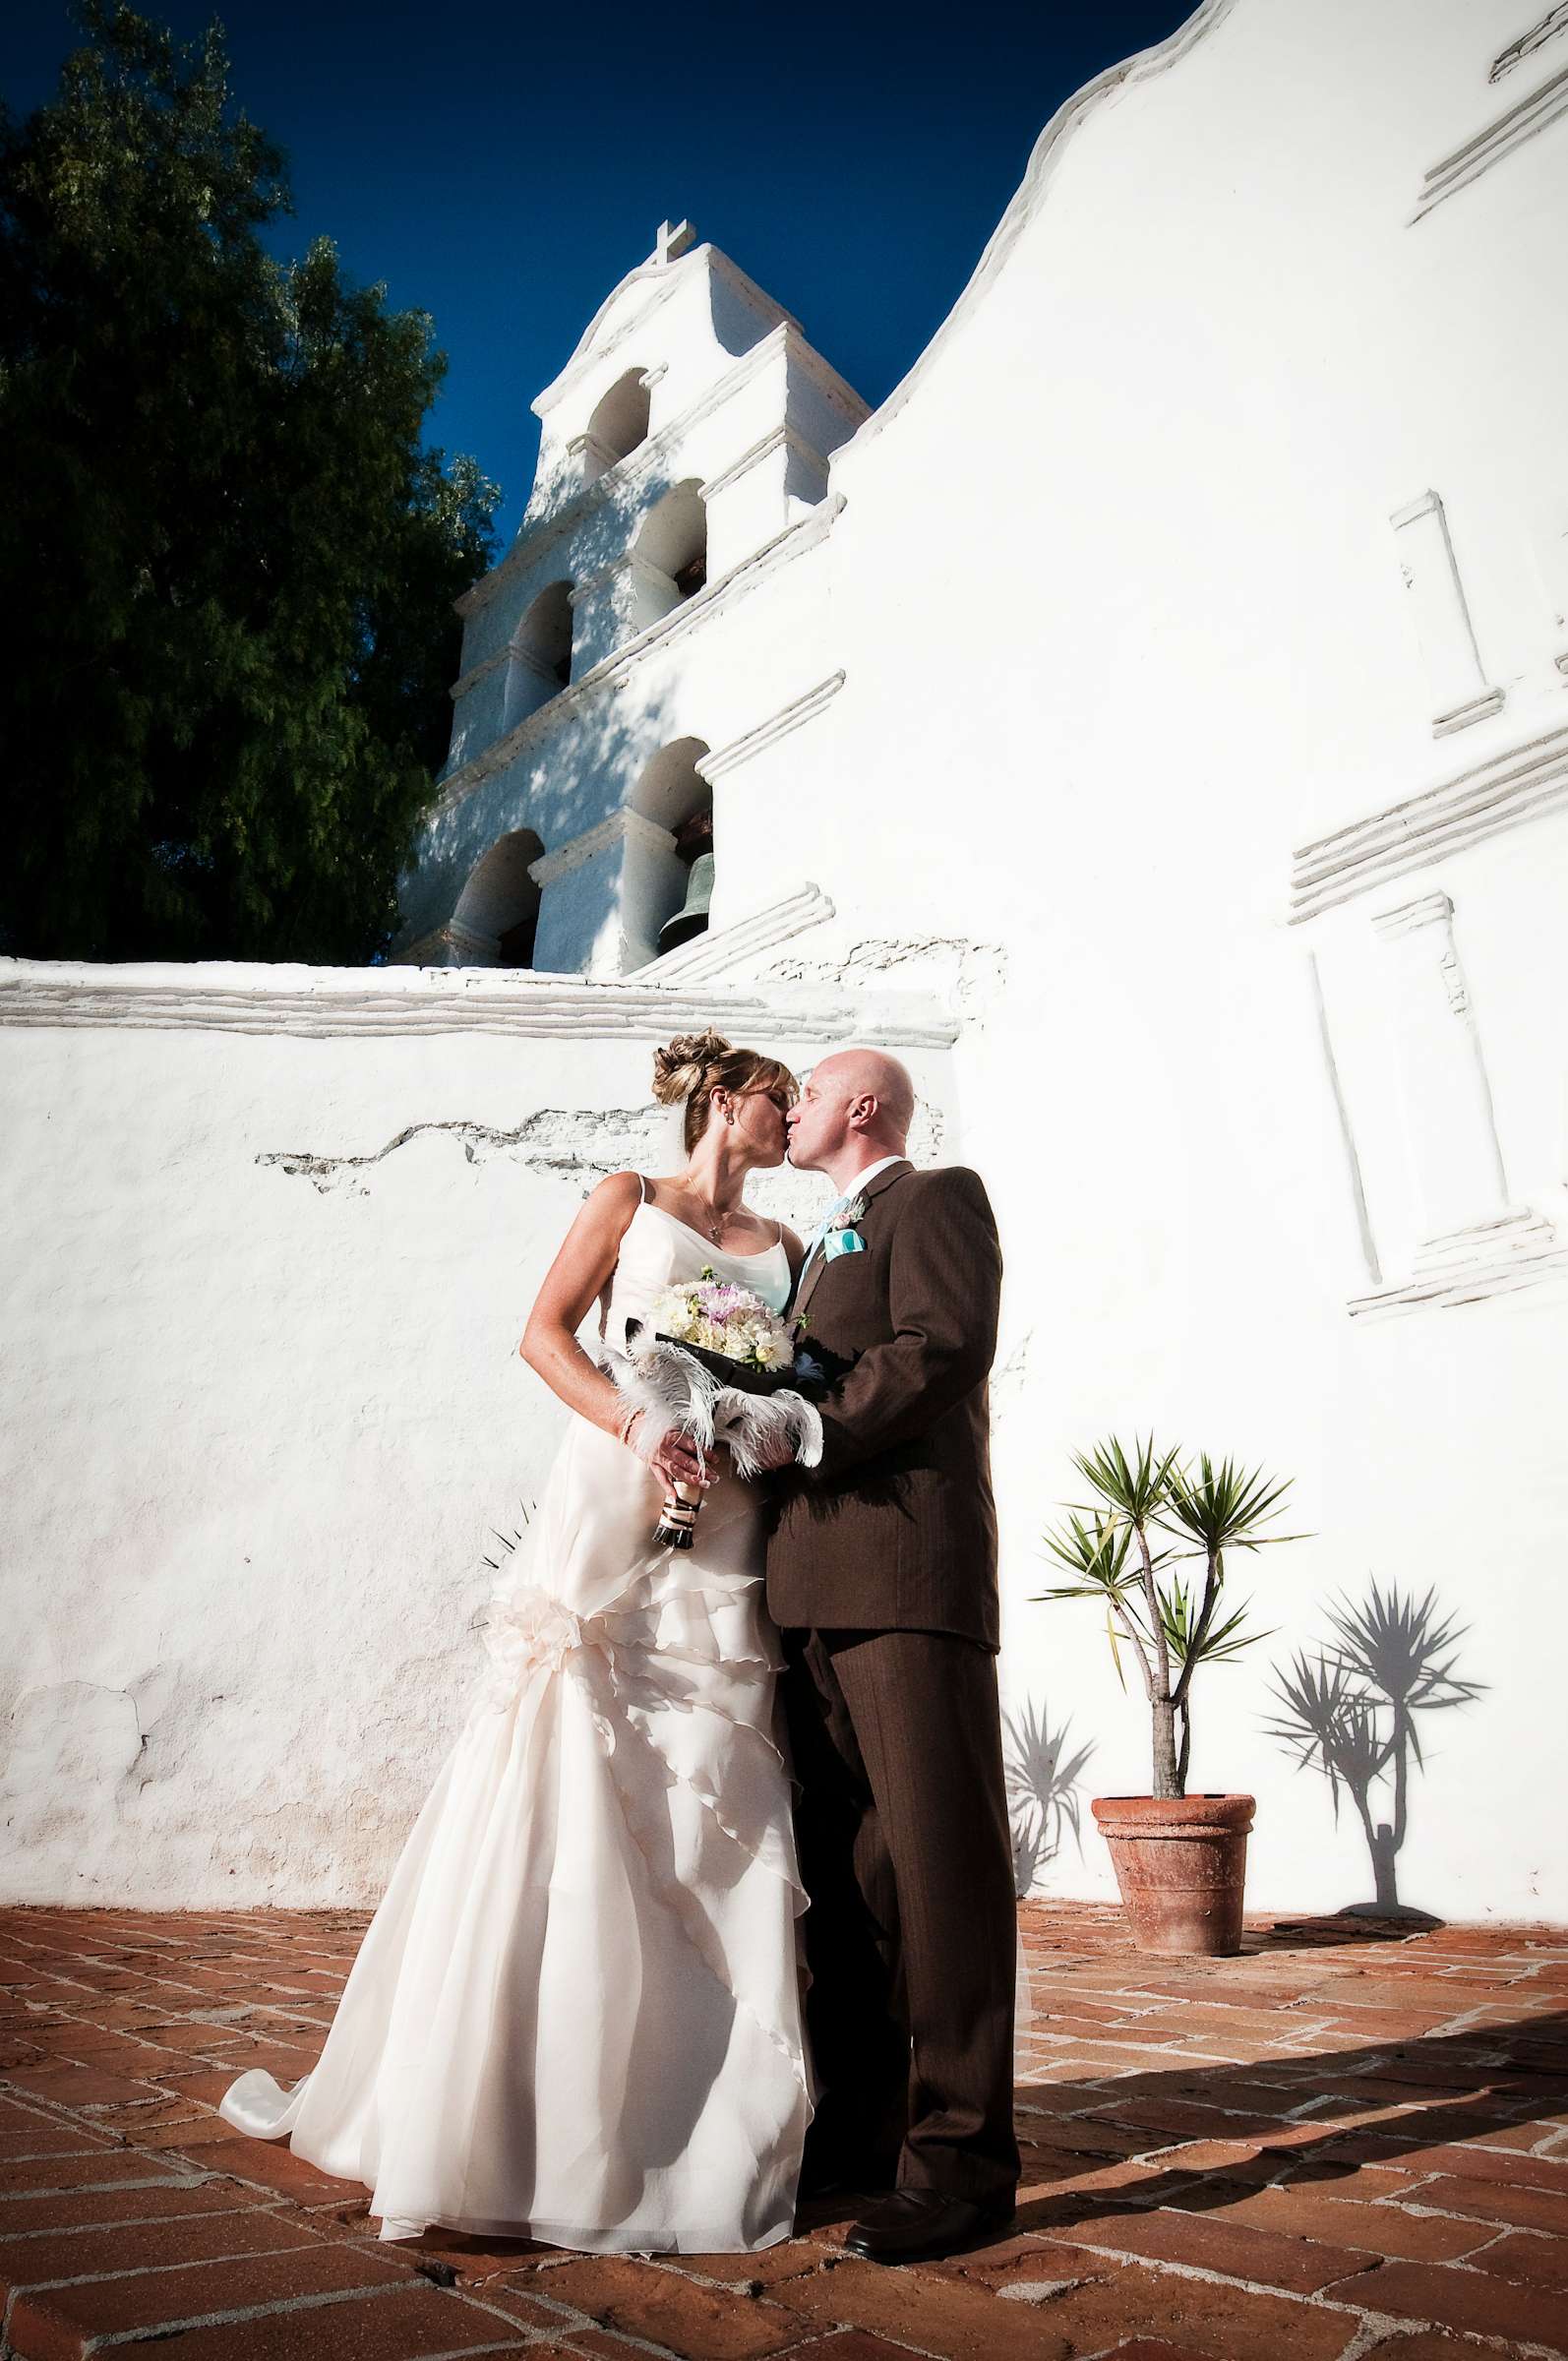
(575,1279)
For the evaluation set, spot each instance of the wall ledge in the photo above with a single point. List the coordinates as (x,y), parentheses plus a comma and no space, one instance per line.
(1504,793)
(338,1003)
(725,947)
(1496,1258)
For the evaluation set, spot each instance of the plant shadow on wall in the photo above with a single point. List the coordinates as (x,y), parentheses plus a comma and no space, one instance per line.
(1042,1790)
(1351,1711)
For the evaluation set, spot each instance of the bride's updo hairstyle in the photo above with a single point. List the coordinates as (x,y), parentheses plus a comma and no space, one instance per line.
(689,1069)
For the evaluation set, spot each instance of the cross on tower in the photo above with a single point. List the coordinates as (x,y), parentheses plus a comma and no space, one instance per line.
(673,240)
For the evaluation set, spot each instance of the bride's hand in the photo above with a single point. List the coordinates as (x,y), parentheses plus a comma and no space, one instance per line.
(672,1456)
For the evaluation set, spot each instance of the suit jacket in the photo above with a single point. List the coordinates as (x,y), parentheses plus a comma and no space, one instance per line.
(896,1531)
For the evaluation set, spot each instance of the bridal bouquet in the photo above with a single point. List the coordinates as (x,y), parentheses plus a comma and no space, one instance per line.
(714,1362)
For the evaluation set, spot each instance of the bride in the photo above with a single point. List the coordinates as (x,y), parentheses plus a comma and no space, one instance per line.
(575,2016)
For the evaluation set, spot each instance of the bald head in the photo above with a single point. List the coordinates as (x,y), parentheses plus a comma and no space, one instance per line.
(856,1108)
(861,1074)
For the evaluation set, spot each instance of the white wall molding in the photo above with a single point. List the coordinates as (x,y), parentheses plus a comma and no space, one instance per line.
(612,670)
(328,1003)
(804,356)
(1461,692)
(1554,22)
(1428,910)
(1506,792)
(659,278)
(1523,121)
(783,437)
(1496,1258)
(625,824)
(712,953)
(801,708)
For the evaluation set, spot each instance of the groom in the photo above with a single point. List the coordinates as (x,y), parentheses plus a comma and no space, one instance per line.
(882,1573)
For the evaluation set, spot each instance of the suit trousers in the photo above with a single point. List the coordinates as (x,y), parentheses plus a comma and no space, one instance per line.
(911,1935)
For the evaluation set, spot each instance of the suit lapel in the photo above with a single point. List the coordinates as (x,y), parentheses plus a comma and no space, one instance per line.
(819,1262)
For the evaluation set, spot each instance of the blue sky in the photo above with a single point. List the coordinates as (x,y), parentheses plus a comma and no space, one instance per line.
(503,168)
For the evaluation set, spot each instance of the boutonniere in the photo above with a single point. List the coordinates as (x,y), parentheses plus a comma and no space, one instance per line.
(841,1236)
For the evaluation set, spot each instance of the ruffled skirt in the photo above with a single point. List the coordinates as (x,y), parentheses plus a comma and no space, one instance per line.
(575,2016)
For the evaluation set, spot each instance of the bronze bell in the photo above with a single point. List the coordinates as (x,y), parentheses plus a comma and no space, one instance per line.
(692,916)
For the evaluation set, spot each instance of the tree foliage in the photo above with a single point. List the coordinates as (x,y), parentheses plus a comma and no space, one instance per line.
(227,561)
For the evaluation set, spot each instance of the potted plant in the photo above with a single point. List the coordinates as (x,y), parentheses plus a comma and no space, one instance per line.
(1180,1859)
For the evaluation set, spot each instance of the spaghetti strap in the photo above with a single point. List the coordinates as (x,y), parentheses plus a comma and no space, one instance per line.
(642,1189)
(779,1226)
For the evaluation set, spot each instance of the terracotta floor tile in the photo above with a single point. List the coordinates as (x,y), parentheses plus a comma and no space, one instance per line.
(1418,2158)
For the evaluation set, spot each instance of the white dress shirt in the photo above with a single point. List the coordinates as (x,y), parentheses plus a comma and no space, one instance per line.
(854,1189)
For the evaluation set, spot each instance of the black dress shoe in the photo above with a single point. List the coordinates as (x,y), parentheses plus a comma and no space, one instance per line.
(915,2225)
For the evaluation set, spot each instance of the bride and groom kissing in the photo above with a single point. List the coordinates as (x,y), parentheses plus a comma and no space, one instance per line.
(579,2014)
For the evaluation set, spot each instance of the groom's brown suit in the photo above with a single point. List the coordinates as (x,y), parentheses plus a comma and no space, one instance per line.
(882,1572)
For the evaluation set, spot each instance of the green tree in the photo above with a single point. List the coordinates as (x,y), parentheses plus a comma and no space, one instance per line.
(227,561)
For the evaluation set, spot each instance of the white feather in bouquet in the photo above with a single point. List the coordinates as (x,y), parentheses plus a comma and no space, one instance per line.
(714,1361)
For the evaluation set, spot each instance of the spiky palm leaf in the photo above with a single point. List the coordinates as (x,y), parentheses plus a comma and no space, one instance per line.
(1181,1627)
(1223,1506)
(1132,1486)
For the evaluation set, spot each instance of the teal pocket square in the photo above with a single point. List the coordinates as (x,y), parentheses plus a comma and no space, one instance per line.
(843,1242)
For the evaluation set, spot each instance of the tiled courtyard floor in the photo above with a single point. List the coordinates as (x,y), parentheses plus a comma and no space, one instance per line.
(1339,2144)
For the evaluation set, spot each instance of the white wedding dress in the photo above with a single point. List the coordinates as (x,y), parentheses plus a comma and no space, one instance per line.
(575,2016)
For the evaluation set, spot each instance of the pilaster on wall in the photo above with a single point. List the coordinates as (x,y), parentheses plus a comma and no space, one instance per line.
(1460,691)
(1444,1228)
(1456,1162)
(602,895)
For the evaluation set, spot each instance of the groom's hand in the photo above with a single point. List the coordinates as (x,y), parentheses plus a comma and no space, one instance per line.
(779,1452)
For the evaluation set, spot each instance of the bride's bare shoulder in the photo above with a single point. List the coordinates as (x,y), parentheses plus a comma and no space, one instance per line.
(616,1199)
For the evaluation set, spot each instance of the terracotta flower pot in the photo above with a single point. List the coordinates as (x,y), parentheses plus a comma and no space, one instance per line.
(1180,1862)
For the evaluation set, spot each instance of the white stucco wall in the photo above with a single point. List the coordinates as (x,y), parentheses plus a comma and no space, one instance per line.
(1176,420)
(272,1235)
(1093,704)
